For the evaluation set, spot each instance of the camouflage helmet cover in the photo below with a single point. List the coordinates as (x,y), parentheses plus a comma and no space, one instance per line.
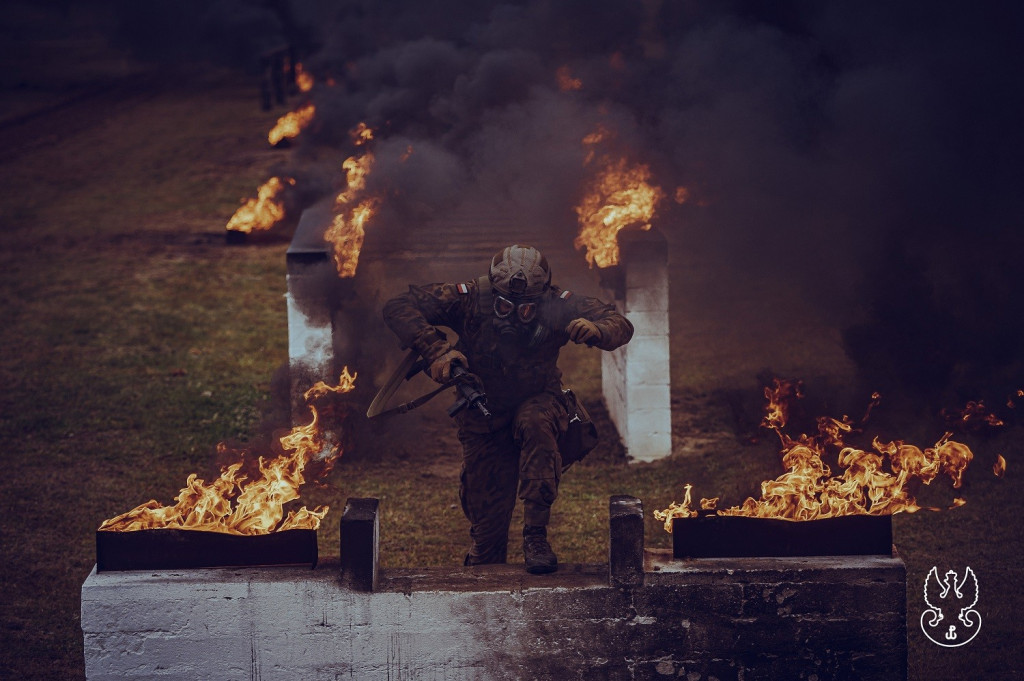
(520,271)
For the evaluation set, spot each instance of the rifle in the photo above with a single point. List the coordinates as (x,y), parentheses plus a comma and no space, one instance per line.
(470,391)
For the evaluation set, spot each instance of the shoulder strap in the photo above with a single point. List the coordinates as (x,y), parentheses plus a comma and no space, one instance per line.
(485,299)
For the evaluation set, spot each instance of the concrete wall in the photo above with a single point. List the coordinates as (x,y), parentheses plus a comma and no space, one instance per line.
(725,619)
(635,378)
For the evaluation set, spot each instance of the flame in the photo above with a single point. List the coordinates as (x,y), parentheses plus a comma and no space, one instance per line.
(620,197)
(361,134)
(973,417)
(263,212)
(352,210)
(675,510)
(1011,400)
(235,505)
(291,124)
(303,78)
(877,482)
(999,467)
(781,396)
(565,80)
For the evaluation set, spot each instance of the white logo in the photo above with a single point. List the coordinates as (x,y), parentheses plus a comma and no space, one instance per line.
(950,619)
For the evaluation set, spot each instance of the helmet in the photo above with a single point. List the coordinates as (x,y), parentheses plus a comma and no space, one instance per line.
(520,271)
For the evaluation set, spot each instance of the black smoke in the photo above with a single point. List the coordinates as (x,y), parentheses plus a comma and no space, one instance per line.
(868,153)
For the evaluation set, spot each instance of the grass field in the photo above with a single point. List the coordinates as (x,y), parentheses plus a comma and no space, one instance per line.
(134,341)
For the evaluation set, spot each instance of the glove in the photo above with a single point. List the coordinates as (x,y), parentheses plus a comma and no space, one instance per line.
(582,330)
(441,368)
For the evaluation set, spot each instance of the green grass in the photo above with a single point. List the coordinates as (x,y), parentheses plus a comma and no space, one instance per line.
(133,342)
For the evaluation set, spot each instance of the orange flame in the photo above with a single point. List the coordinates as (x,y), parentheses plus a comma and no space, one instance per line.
(353,211)
(781,396)
(565,80)
(620,196)
(303,78)
(973,417)
(262,212)
(879,482)
(999,467)
(1011,400)
(235,505)
(291,124)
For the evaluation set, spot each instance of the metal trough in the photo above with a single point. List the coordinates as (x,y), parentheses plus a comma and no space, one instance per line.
(170,549)
(715,536)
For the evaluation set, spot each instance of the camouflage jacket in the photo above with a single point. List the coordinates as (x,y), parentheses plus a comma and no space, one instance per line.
(510,372)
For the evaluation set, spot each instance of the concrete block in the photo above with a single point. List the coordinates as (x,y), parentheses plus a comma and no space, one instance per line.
(650,397)
(626,541)
(647,361)
(648,323)
(647,299)
(650,421)
(360,531)
(648,274)
(648,446)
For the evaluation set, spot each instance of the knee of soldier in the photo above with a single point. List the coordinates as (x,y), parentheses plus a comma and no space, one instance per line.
(538,421)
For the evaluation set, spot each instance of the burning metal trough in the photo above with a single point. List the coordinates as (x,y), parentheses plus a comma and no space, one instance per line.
(713,536)
(238,519)
(169,549)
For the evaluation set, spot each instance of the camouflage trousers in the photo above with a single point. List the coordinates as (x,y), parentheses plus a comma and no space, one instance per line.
(512,451)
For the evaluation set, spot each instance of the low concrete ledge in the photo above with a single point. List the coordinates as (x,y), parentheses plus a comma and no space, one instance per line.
(763,619)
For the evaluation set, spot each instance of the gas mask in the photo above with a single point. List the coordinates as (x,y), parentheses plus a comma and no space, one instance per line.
(518,325)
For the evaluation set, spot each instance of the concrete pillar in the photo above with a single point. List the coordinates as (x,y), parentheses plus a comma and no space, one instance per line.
(626,541)
(635,378)
(314,299)
(310,332)
(360,542)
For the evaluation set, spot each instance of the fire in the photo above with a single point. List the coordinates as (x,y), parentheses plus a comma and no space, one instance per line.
(620,196)
(303,78)
(999,467)
(352,210)
(973,417)
(565,80)
(880,481)
(781,396)
(291,124)
(264,211)
(236,505)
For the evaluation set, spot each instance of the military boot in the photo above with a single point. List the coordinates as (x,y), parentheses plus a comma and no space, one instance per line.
(540,559)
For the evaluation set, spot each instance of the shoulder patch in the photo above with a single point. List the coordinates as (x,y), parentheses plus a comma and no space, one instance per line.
(564,295)
(463,288)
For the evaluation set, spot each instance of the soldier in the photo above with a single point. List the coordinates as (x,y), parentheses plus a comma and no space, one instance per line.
(511,325)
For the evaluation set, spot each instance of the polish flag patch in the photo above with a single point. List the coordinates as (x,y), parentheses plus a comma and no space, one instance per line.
(564,295)
(463,288)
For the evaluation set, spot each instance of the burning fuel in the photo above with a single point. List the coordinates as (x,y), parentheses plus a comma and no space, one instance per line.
(620,196)
(291,124)
(999,467)
(566,81)
(353,210)
(236,505)
(264,211)
(880,481)
(303,78)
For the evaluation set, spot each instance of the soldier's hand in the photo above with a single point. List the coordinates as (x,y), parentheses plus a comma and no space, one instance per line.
(441,368)
(582,330)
